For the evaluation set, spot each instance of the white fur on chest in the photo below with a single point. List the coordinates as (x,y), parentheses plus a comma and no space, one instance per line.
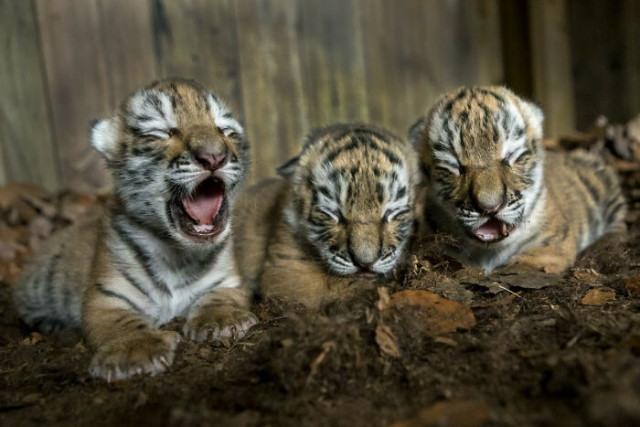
(221,274)
(163,291)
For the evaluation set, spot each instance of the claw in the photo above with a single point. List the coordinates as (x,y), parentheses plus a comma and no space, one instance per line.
(109,373)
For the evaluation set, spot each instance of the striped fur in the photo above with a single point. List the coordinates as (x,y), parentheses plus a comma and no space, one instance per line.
(142,263)
(491,185)
(341,215)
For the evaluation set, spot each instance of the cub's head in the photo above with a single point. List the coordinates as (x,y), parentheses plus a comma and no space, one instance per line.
(352,195)
(177,157)
(481,153)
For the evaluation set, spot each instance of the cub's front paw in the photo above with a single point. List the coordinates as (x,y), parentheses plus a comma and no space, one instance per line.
(140,352)
(224,323)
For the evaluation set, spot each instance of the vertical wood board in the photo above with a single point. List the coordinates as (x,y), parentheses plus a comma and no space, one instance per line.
(25,128)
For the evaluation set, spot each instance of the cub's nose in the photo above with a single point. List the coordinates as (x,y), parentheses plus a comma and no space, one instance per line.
(211,160)
(364,257)
(489,208)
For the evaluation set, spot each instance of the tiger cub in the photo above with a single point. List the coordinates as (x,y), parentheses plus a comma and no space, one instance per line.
(163,248)
(490,184)
(339,219)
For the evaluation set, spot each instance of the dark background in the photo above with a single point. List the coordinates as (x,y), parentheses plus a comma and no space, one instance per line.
(286,66)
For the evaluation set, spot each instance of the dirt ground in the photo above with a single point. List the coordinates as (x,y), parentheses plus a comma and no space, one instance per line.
(520,349)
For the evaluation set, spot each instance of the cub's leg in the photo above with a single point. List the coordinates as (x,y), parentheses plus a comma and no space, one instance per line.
(220,313)
(123,337)
(554,259)
(293,276)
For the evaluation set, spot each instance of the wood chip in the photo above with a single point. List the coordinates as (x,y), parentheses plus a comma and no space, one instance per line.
(386,340)
(632,286)
(436,314)
(598,296)
(464,413)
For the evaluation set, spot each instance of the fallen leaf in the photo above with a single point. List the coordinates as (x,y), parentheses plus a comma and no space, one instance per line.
(436,314)
(446,340)
(386,340)
(326,348)
(632,286)
(598,296)
(33,339)
(527,278)
(587,276)
(463,413)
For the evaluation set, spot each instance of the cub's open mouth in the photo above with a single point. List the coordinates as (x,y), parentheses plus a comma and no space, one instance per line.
(493,230)
(203,214)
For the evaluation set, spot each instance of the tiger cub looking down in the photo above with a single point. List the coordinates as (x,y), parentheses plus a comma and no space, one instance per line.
(163,248)
(340,217)
(490,184)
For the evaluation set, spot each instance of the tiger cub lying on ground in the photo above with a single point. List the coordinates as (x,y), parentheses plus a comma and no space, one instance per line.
(340,217)
(164,247)
(491,185)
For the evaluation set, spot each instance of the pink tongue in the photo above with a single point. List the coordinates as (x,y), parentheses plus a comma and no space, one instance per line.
(205,203)
(491,229)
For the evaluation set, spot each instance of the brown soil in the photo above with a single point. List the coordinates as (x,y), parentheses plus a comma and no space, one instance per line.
(530,357)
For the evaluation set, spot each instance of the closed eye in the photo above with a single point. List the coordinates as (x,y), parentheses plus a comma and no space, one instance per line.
(161,133)
(454,168)
(228,132)
(391,214)
(515,156)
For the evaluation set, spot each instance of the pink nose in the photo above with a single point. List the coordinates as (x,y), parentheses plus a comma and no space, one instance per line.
(211,161)
(489,209)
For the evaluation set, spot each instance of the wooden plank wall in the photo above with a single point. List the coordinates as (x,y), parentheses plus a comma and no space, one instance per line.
(284,66)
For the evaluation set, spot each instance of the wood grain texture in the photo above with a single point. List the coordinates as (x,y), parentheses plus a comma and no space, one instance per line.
(197,39)
(126,34)
(77,79)
(551,64)
(270,70)
(286,66)
(26,150)
(424,49)
(516,47)
(332,62)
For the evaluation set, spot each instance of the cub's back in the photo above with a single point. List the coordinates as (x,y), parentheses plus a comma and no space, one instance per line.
(256,214)
(585,189)
(46,294)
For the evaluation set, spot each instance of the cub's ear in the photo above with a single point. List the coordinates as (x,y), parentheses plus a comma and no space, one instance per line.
(534,114)
(104,136)
(289,168)
(416,132)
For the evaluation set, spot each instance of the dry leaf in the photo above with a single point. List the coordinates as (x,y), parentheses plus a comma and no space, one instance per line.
(632,286)
(526,278)
(445,340)
(386,340)
(326,348)
(598,296)
(587,276)
(464,413)
(438,315)
(33,339)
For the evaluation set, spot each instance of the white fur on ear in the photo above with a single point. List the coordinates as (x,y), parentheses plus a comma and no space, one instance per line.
(536,116)
(104,136)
